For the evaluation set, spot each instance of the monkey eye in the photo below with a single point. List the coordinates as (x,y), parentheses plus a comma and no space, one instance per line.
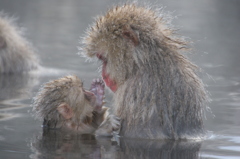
(101,57)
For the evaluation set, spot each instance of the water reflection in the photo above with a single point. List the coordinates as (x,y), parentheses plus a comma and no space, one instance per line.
(159,149)
(61,145)
(15,87)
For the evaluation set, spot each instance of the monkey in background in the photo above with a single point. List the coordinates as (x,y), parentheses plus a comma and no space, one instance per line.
(65,104)
(16,53)
(157,92)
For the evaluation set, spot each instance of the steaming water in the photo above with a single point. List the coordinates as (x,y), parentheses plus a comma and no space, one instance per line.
(55,26)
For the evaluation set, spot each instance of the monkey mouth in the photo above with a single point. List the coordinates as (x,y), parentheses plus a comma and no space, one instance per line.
(106,76)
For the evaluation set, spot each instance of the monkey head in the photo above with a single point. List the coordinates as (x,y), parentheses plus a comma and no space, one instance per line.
(126,39)
(64,99)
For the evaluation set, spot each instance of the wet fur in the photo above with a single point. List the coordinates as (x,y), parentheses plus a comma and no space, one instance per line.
(16,53)
(159,94)
(65,90)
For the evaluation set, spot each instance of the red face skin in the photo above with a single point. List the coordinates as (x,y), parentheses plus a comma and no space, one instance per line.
(106,77)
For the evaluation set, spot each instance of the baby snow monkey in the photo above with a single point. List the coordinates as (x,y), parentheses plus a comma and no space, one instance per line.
(65,104)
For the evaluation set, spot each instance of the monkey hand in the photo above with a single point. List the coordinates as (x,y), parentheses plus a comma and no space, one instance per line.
(110,125)
(97,88)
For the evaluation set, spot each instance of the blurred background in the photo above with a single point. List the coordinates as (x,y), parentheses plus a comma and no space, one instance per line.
(55,28)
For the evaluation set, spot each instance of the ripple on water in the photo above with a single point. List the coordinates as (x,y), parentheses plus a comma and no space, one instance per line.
(7,116)
(219,156)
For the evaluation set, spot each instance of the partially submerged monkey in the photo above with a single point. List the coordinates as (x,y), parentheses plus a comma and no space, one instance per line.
(16,53)
(65,104)
(158,94)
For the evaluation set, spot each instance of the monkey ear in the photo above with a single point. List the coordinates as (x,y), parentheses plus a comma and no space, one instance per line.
(65,110)
(128,33)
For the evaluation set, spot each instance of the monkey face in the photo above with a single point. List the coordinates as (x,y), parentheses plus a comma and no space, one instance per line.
(83,102)
(111,83)
(117,62)
(79,101)
(62,99)
(65,100)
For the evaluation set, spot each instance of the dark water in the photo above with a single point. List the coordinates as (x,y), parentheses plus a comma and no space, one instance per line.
(55,26)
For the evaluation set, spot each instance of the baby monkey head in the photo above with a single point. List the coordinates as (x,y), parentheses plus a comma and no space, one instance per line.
(64,99)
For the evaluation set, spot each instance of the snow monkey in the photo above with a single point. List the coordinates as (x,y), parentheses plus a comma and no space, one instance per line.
(157,92)
(16,54)
(64,103)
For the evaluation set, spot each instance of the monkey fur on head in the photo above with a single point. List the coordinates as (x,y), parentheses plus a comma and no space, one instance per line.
(65,104)
(16,53)
(158,94)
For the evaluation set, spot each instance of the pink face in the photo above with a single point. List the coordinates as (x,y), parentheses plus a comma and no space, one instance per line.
(106,77)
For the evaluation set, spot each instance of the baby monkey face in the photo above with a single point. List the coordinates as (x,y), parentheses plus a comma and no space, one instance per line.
(66,99)
(89,101)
